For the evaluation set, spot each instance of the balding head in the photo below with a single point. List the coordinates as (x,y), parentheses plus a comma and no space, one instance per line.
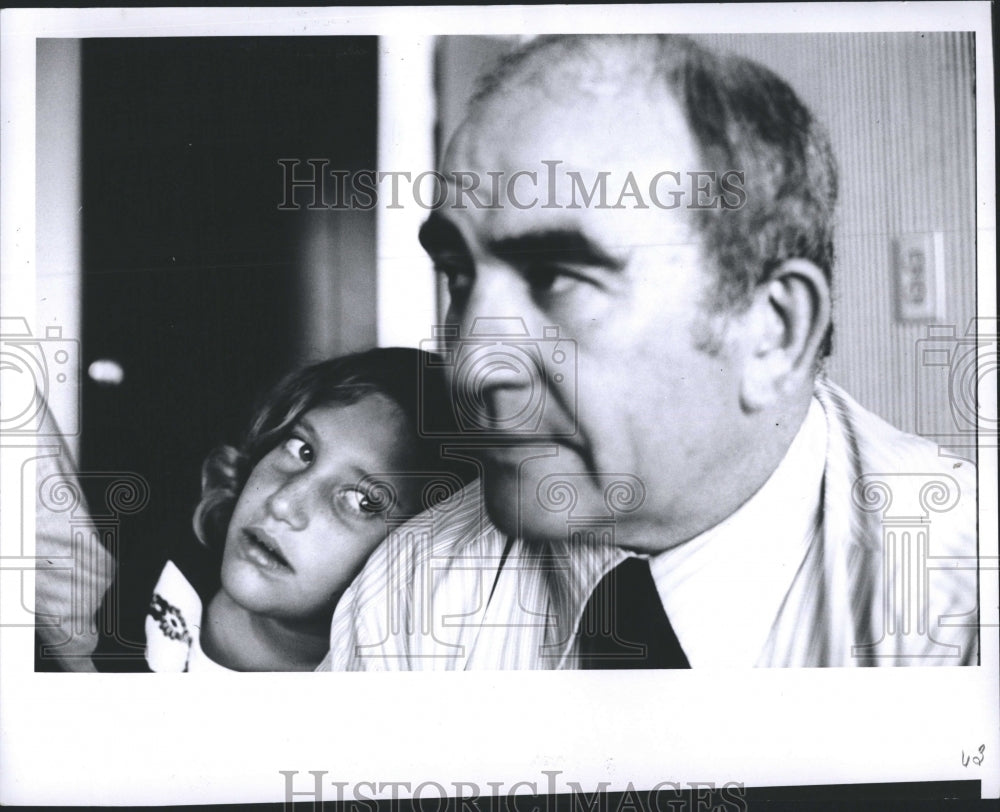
(742,117)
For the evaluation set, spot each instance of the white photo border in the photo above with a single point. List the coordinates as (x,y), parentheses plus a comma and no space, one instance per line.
(130,739)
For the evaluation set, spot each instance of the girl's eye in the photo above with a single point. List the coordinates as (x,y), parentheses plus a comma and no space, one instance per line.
(366,503)
(299,449)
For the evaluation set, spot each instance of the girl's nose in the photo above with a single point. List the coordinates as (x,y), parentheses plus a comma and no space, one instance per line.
(288,504)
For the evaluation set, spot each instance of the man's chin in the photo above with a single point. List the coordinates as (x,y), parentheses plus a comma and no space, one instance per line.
(504,484)
(513,518)
(537,500)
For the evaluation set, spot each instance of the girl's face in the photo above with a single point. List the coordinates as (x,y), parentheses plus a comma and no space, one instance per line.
(307,519)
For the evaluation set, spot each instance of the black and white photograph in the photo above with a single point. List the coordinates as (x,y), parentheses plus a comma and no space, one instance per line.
(625,375)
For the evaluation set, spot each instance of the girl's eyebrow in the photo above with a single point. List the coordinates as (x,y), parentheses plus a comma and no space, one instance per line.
(305,425)
(314,436)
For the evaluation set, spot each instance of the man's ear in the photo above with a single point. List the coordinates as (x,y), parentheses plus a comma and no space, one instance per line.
(785,326)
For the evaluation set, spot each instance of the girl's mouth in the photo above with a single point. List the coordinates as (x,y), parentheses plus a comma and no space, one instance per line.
(263,550)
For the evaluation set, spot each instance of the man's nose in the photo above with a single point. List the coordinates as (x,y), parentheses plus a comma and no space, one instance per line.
(289,504)
(497,376)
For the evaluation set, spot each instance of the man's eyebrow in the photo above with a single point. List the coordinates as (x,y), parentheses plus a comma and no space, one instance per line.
(558,244)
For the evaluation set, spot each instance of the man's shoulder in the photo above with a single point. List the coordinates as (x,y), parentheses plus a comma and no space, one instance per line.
(455,524)
(881,447)
(446,536)
(900,520)
(893,475)
(433,568)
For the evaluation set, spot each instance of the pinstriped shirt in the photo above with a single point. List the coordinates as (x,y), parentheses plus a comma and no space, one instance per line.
(862,544)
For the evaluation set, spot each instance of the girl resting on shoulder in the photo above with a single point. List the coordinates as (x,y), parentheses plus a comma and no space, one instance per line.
(332,459)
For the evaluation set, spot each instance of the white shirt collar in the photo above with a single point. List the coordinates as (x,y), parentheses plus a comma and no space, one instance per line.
(722,589)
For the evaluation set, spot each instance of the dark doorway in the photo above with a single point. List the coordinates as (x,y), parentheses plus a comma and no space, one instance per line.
(190,268)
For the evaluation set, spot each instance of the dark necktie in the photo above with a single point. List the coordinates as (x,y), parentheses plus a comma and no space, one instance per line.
(624,624)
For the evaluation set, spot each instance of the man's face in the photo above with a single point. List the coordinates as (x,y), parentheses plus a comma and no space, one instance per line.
(625,285)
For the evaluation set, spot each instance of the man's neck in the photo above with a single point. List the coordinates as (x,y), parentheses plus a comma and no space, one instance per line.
(767,441)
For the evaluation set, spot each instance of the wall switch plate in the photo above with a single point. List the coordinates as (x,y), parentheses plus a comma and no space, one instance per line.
(919,276)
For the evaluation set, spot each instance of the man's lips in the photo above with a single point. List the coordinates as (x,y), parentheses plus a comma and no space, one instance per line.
(263,549)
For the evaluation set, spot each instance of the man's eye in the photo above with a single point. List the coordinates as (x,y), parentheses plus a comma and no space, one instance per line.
(550,279)
(457,274)
(367,503)
(299,449)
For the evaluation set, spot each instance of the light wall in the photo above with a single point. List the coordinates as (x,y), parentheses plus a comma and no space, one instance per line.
(900,110)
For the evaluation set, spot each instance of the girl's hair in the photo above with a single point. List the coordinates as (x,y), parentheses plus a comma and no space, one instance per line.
(412,379)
